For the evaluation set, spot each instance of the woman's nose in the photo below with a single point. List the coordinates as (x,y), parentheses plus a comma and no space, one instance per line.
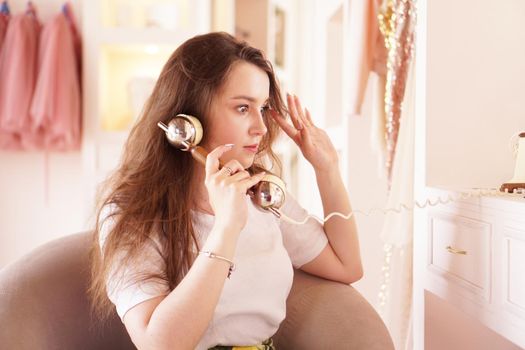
(258,126)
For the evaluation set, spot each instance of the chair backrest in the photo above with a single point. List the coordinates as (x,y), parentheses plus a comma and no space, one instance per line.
(43,305)
(322,314)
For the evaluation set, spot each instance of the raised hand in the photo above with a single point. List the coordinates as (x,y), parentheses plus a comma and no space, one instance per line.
(227,187)
(314,142)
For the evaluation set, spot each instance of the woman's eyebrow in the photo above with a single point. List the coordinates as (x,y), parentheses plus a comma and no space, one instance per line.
(249,98)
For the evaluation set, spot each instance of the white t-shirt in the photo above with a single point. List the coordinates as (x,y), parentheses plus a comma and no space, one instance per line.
(253,302)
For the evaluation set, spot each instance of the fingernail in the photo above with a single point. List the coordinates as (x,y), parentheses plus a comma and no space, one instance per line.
(229,145)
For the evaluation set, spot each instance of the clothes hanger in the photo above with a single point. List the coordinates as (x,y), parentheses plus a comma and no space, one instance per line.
(31,9)
(4,8)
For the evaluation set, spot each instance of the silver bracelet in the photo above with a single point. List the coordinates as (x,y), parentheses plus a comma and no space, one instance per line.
(213,255)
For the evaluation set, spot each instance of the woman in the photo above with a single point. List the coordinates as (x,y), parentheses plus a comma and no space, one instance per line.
(162,208)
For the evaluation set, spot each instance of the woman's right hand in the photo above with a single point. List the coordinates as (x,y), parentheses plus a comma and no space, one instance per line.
(227,187)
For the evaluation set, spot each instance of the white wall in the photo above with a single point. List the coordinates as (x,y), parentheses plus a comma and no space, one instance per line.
(475,90)
(34,210)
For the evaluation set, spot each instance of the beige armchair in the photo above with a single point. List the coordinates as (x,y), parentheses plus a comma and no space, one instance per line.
(43,305)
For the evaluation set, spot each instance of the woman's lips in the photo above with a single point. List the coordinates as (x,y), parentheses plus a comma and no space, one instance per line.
(252,148)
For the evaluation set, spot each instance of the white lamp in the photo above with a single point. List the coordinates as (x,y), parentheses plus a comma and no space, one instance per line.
(518,181)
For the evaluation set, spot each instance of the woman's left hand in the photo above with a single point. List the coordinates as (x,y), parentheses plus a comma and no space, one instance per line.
(313,141)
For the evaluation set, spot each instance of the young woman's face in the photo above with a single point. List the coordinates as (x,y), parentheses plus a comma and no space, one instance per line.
(236,114)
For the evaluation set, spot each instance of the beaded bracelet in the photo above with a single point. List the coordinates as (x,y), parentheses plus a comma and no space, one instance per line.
(213,255)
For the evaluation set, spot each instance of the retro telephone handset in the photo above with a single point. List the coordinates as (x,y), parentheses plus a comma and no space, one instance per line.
(185,132)
(518,180)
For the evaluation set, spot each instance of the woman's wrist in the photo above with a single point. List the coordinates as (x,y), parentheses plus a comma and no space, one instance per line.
(225,229)
(213,255)
(328,172)
(221,240)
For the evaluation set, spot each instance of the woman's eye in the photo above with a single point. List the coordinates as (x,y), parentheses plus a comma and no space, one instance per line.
(265,109)
(243,109)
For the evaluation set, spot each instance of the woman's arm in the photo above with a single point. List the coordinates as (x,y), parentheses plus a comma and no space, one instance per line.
(179,320)
(341,259)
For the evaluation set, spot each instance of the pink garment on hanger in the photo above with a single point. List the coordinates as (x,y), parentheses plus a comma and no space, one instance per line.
(4,21)
(55,113)
(76,37)
(18,76)
(5,138)
(367,50)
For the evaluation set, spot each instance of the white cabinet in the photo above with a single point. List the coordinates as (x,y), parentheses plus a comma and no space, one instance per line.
(511,296)
(475,259)
(459,252)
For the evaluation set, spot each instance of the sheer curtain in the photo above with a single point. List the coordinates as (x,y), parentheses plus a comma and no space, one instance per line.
(395,296)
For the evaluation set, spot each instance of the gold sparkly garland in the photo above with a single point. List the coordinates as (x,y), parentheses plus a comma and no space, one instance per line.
(396,22)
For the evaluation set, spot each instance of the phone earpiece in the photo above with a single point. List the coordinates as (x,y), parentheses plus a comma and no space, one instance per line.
(185,132)
(269,193)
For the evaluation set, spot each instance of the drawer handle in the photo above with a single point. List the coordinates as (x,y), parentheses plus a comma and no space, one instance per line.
(456,251)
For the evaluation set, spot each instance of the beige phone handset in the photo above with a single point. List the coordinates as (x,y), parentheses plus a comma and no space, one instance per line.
(185,132)
(518,180)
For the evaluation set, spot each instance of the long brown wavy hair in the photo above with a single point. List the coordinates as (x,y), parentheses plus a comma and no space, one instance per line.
(151,188)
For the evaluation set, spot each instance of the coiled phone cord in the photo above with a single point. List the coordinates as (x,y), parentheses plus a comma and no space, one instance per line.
(476,192)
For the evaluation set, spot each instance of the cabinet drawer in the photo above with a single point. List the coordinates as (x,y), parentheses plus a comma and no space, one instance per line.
(514,269)
(460,251)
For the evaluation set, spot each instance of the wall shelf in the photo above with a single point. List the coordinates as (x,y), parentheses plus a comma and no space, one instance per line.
(146,36)
(128,45)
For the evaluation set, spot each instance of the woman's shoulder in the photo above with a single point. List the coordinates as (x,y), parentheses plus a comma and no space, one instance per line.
(108,218)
